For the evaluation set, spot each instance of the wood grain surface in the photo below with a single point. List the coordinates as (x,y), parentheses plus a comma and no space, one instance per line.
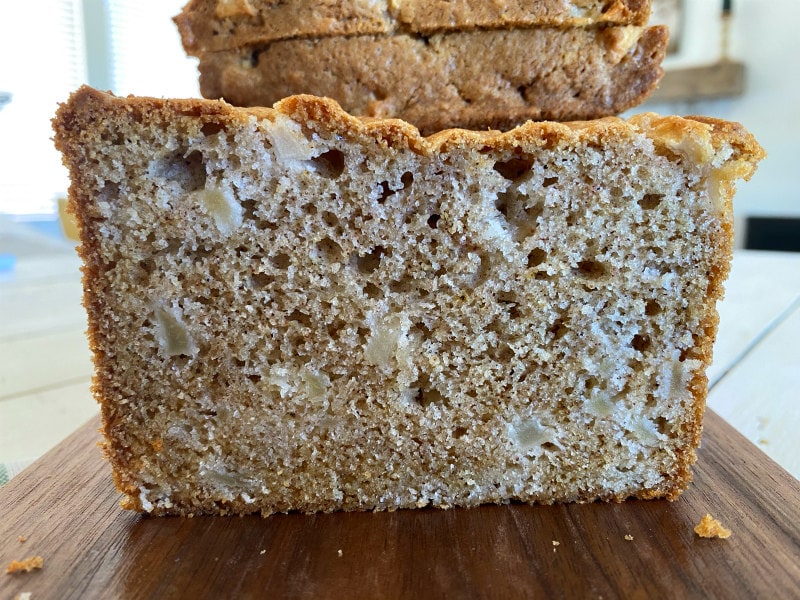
(67,510)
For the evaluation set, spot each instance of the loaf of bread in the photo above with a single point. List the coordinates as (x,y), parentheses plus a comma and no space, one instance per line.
(294,309)
(214,25)
(436,65)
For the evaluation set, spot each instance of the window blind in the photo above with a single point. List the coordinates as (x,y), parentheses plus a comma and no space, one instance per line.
(144,57)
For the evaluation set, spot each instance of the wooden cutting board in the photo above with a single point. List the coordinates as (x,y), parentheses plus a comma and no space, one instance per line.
(67,509)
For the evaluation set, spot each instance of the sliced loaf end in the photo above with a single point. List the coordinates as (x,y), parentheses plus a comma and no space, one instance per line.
(295,309)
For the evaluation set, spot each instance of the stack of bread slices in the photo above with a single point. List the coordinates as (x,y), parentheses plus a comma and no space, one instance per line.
(436,64)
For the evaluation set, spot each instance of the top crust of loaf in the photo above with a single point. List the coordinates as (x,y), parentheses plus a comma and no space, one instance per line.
(699,138)
(214,25)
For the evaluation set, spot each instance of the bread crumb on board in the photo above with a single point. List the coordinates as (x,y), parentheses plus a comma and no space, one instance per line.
(629,537)
(26,564)
(22,539)
(709,527)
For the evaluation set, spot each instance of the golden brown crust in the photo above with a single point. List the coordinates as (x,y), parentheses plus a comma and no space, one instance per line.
(425,16)
(90,103)
(204,29)
(477,80)
(704,155)
(214,25)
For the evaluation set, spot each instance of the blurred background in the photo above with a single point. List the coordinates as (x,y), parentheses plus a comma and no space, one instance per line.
(737,60)
(127,46)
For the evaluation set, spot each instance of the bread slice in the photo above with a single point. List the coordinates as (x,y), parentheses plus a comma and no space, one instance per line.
(437,64)
(214,25)
(476,79)
(294,309)
(426,16)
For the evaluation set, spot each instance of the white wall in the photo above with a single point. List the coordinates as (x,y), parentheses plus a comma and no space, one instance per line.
(765,36)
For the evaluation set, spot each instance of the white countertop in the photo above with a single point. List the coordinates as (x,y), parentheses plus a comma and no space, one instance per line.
(45,366)
(755,376)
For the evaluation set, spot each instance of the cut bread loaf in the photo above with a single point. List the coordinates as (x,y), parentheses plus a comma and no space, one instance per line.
(294,309)
(477,79)
(434,64)
(214,25)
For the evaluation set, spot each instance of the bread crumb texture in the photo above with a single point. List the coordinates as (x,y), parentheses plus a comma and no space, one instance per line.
(294,309)
(709,527)
(25,565)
